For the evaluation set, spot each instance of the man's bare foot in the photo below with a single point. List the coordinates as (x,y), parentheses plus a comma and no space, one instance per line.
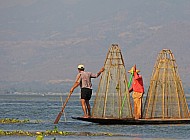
(86,116)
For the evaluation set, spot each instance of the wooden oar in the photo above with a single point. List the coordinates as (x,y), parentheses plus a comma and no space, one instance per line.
(62,105)
(62,110)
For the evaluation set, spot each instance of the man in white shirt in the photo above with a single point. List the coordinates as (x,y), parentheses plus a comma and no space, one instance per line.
(83,79)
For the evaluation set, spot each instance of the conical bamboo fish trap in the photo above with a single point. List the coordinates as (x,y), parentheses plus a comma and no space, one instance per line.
(109,101)
(165,96)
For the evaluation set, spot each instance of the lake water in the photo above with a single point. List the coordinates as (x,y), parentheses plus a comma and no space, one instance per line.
(44,109)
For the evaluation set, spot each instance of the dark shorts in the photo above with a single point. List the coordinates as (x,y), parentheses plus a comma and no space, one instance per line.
(86,93)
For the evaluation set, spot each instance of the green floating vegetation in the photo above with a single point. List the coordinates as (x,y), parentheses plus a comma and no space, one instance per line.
(16,133)
(51,133)
(55,132)
(12,120)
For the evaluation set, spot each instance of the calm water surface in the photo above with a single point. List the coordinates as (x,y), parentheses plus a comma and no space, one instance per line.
(42,110)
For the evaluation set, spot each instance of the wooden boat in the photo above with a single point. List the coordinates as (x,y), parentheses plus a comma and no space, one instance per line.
(112,121)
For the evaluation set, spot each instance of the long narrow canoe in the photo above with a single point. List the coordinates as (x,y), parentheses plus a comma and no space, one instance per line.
(110,121)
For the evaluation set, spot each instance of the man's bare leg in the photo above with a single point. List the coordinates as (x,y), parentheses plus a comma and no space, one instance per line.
(88,107)
(83,103)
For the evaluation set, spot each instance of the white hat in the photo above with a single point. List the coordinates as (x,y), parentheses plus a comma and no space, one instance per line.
(80,66)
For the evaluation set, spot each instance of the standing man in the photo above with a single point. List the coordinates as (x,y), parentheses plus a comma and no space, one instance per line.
(138,90)
(84,80)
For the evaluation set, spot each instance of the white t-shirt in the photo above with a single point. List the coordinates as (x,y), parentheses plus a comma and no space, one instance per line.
(84,78)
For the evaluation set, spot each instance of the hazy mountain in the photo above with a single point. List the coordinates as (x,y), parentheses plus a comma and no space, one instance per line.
(44,40)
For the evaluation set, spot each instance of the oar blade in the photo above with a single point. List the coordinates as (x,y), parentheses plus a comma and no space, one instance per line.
(58,118)
(62,110)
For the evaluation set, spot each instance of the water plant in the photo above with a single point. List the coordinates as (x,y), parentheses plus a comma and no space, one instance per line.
(55,132)
(40,136)
(13,120)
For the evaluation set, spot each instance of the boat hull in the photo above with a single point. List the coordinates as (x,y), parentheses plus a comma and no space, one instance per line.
(110,121)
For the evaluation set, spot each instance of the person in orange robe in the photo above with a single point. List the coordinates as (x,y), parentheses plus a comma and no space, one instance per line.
(138,91)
